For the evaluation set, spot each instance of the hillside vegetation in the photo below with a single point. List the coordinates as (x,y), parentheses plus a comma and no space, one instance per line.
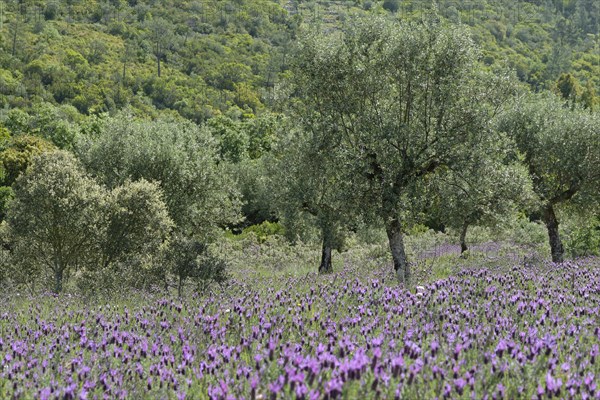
(204,58)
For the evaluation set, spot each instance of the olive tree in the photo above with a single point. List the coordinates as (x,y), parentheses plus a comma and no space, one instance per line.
(136,222)
(190,259)
(16,153)
(488,185)
(310,187)
(402,100)
(561,148)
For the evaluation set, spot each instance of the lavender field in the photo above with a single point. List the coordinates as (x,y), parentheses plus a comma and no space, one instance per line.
(497,333)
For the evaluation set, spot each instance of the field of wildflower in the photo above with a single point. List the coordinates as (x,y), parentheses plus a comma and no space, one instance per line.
(493,332)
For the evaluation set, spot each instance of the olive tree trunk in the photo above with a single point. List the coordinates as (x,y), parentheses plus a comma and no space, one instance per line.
(463,238)
(180,286)
(396,241)
(556,247)
(326,267)
(58,278)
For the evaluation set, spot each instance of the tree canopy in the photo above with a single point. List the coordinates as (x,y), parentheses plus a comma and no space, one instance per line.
(561,148)
(404,100)
(179,156)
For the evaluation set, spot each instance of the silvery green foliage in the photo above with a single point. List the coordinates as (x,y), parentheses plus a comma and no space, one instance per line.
(63,222)
(561,148)
(136,227)
(399,101)
(135,231)
(137,221)
(487,186)
(311,189)
(179,156)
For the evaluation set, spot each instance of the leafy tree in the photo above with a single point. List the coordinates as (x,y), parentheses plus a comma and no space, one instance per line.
(53,220)
(589,99)
(17,122)
(249,137)
(232,138)
(391,5)
(311,187)
(137,222)
(262,133)
(562,153)
(62,220)
(244,143)
(58,124)
(55,124)
(256,187)
(558,61)
(568,88)
(126,58)
(401,99)
(96,51)
(488,185)
(16,154)
(15,31)
(179,156)
(160,35)
(52,9)
(6,196)
(583,234)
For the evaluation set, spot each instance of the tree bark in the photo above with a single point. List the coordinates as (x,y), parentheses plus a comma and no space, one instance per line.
(58,277)
(326,267)
(463,238)
(158,65)
(396,241)
(556,247)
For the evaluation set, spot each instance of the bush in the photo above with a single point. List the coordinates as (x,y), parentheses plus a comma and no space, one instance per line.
(18,153)
(583,238)
(189,258)
(199,193)
(51,11)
